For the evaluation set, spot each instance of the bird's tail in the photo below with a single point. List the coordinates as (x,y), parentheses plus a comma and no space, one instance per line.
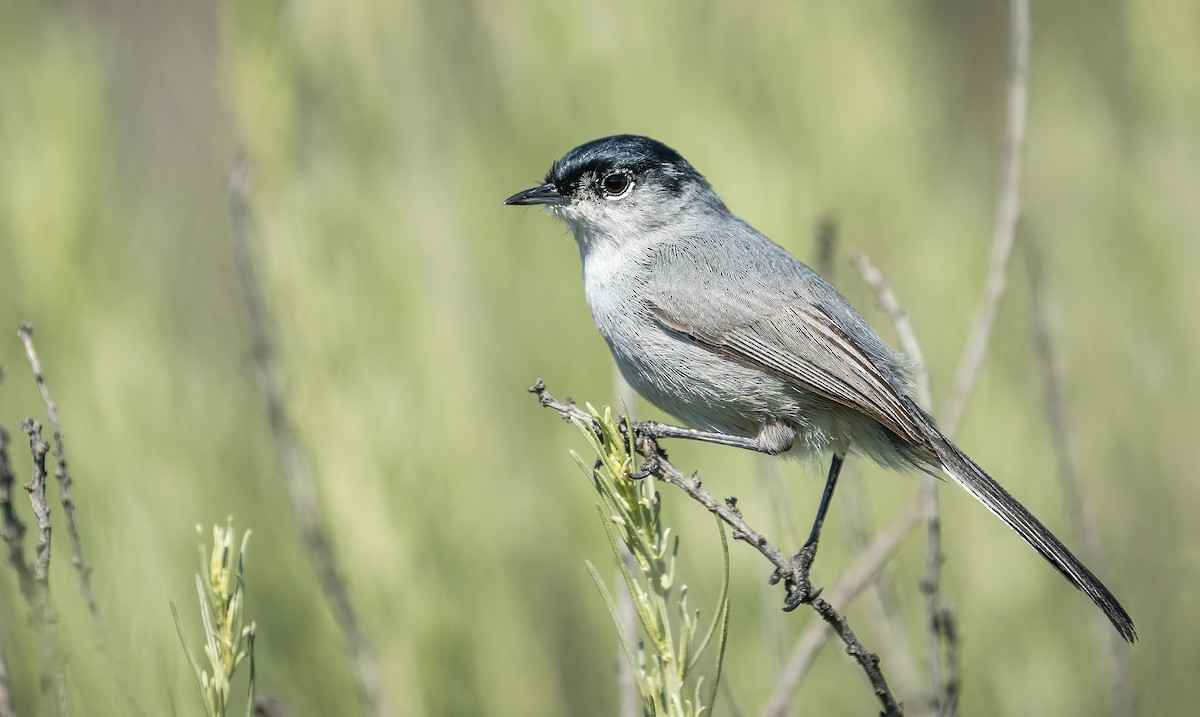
(986,490)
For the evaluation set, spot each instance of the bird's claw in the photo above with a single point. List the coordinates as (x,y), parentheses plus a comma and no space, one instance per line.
(800,590)
(649,467)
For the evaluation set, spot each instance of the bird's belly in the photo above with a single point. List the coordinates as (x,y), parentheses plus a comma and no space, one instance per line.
(702,389)
(712,393)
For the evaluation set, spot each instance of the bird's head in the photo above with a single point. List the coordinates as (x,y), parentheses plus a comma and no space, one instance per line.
(620,187)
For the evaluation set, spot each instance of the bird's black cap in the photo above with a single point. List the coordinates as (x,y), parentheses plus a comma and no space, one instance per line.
(638,155)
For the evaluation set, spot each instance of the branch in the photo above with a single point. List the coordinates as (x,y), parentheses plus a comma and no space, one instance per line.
(62,476)
(930,584)
(937,613)
(860,575)
(896,314)
(894,641)
(293,464)
(46,620)
(656,463)
(1007,213)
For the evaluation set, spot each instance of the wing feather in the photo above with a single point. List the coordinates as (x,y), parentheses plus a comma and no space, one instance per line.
(781,322)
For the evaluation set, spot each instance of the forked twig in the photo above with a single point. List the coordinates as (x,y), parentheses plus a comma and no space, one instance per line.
(657,464)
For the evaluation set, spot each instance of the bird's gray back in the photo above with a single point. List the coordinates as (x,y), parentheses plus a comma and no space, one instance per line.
(764,278)
(666,306)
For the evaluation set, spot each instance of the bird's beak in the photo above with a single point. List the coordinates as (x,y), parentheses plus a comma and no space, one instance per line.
(545,194)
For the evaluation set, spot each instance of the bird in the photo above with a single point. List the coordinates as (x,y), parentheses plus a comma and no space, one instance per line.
(724,329)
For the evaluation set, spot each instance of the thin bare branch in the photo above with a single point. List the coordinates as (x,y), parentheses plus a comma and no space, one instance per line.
(931,588)
(294,466)
(931,582)
(1113,653)
(894,642)
(728,511)
(860,575)
(63,476)
(1007,213)
(899,318)
(44,617)
(952,686)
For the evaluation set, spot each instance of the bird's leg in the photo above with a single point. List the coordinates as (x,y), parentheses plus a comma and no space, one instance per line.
(773,439)
(801,590)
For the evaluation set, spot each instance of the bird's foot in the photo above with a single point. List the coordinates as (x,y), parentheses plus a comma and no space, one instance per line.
(800,590)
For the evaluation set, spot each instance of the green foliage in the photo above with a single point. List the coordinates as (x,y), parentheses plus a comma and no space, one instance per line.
(228,640)
(631,514)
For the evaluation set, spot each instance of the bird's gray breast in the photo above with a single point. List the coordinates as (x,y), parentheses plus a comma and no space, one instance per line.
(670,370)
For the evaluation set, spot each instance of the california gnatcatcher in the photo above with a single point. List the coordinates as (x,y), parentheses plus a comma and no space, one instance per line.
(721,327)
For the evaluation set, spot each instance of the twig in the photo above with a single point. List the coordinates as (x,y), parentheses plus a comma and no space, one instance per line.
(1113,654)
(14,529)
(952,686)
(866,659)
(894,642)
(1007,213)
(898,316)
(728,511)
(873,559)
(860,575)
(935,610)
(931,587)
(293,464)
(63,477)
(931,582)
(56,680)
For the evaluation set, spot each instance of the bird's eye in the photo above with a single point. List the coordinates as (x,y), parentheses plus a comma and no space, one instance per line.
(616,184)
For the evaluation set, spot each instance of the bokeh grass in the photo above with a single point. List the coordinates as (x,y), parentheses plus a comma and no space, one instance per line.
(412,310)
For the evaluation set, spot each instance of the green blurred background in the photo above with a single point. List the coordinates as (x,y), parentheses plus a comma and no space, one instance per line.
(412,310)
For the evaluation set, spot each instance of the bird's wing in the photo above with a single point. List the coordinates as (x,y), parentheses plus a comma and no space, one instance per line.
(779,319)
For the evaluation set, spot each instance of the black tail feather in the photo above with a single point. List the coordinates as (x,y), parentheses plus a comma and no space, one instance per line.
(986,490)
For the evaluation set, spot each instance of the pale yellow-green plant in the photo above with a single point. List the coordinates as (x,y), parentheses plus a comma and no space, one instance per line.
(662,664)
(228,640)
